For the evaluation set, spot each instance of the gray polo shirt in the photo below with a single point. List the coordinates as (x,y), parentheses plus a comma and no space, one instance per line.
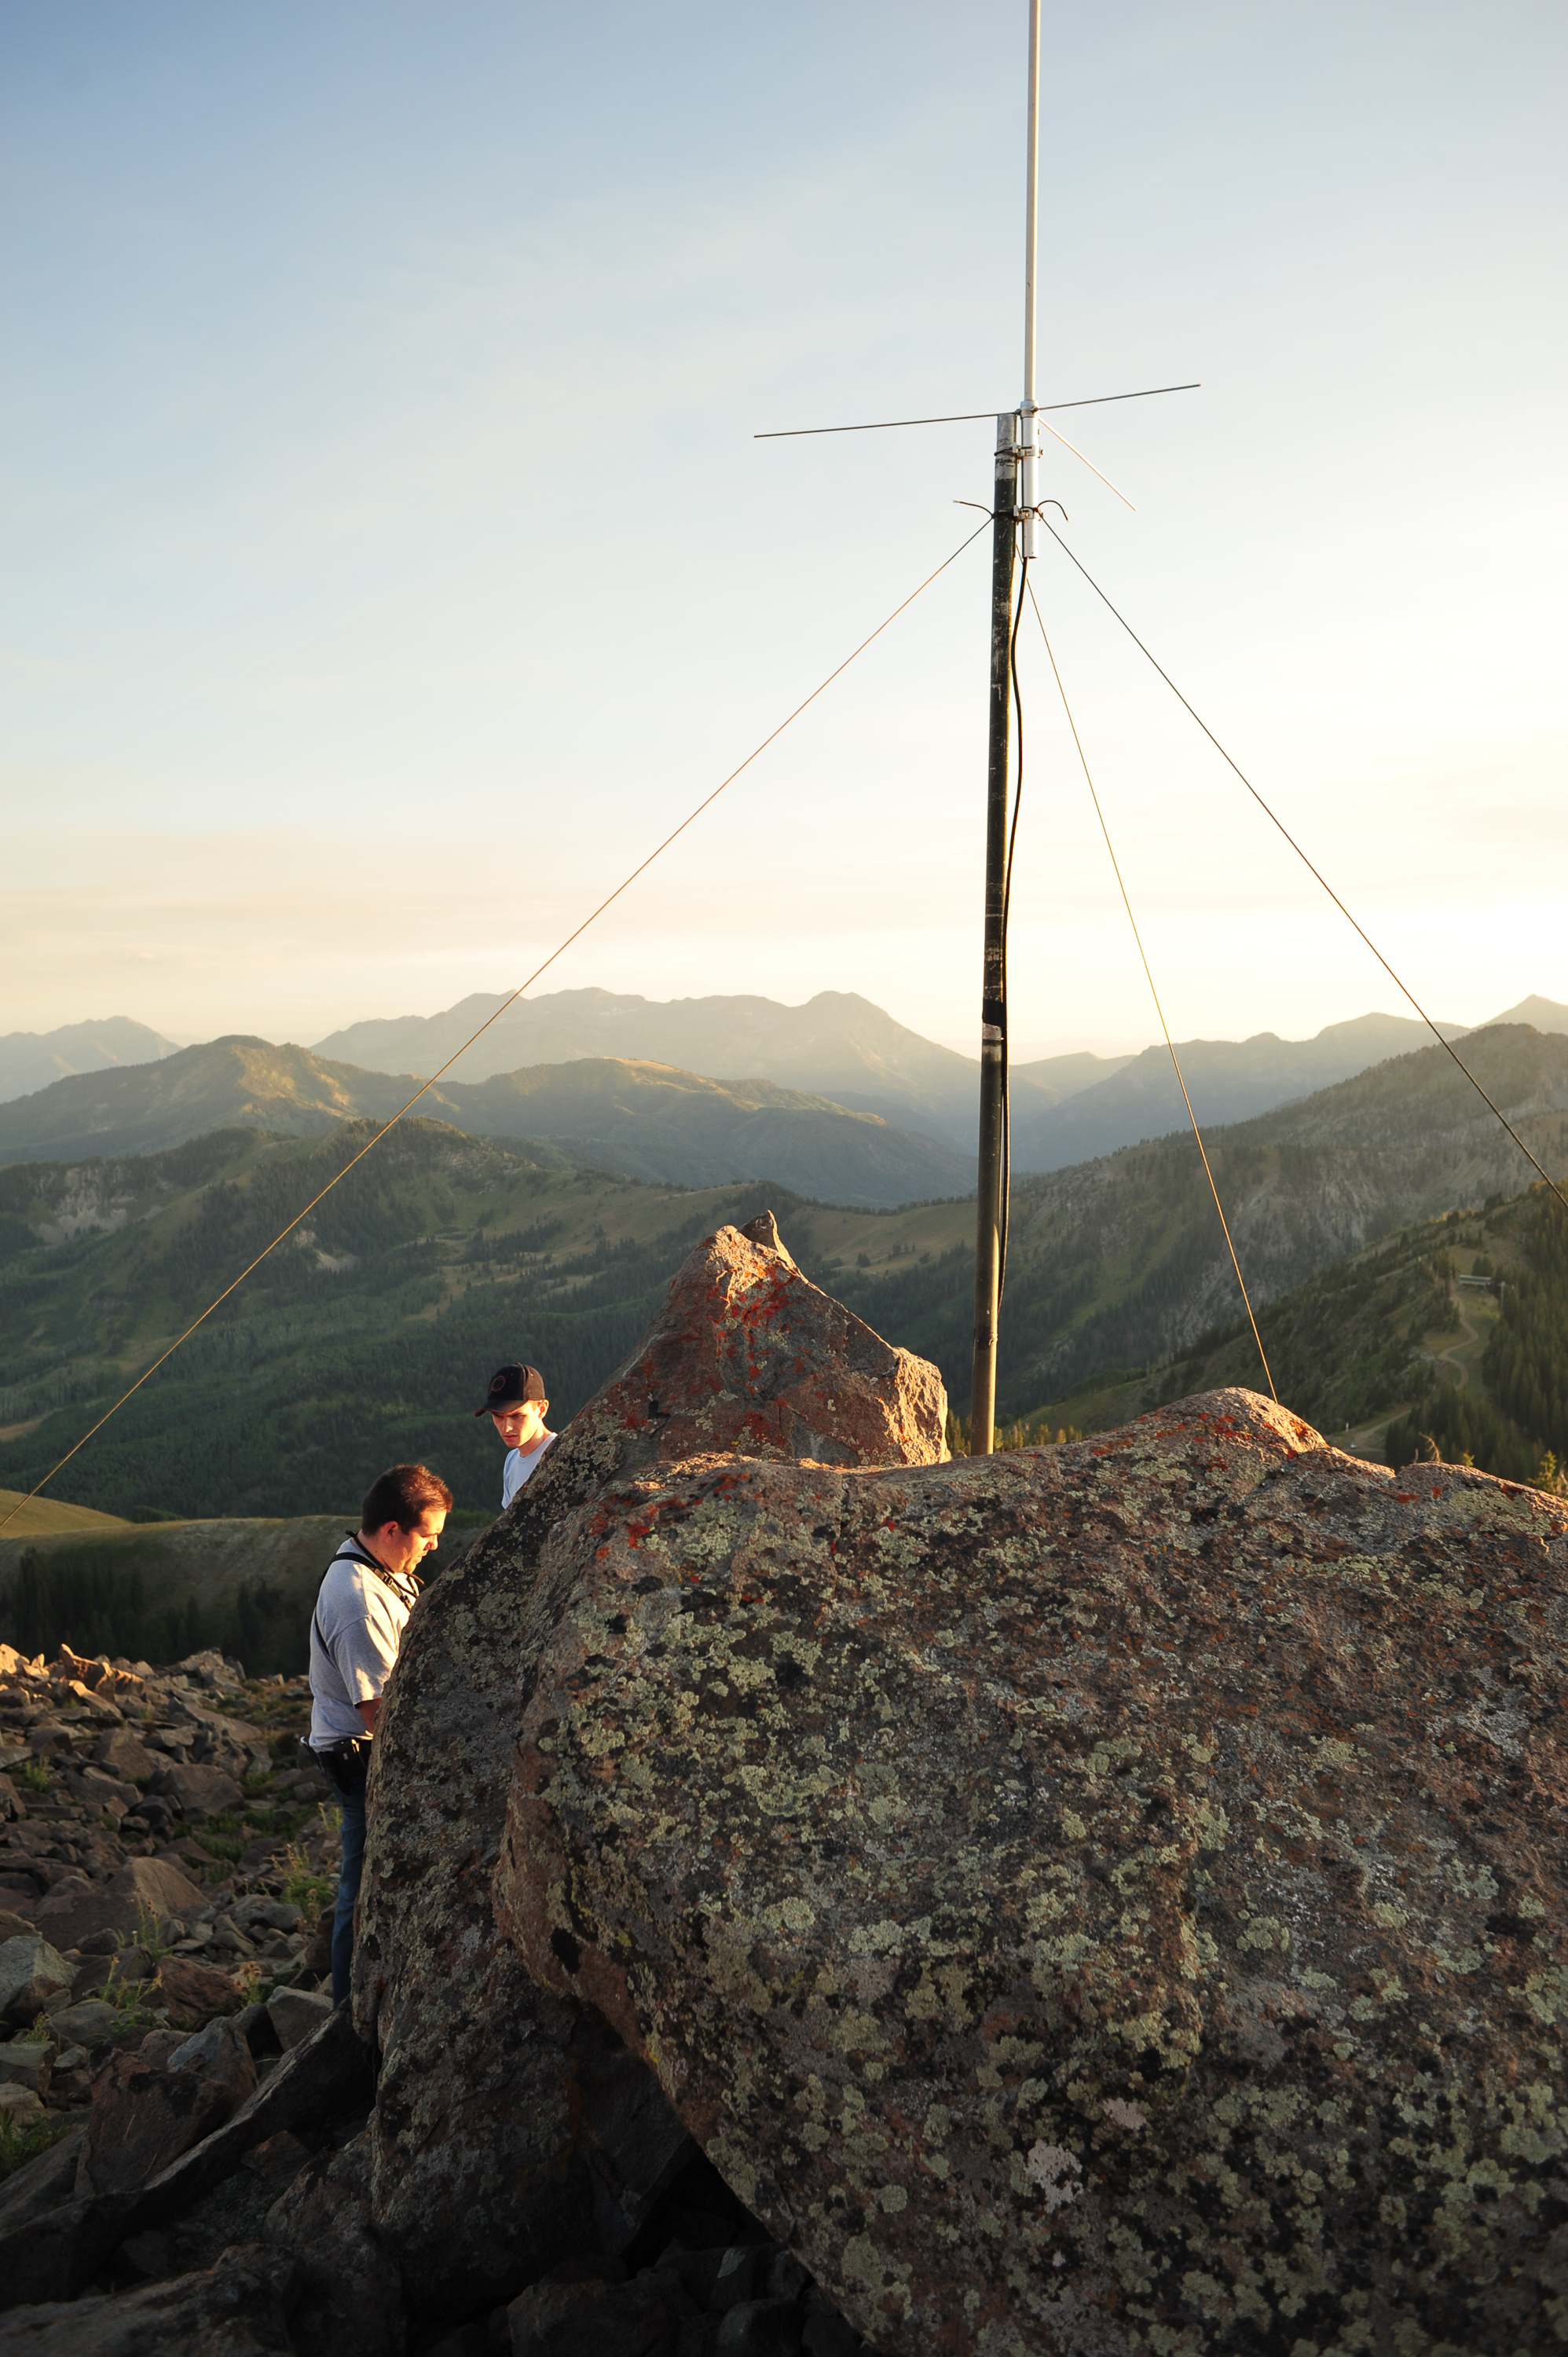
(354,1636)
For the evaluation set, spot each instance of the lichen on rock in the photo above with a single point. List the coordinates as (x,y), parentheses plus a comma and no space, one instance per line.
(480,2172)
(1098,1898)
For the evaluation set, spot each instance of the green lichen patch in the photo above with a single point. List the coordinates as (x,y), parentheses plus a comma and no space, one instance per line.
(1108,1897)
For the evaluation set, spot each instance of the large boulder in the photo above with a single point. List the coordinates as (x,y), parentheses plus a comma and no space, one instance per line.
(1097,1899)
(481,2176)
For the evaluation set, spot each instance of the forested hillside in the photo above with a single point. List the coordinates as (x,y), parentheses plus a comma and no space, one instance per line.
(1448,1339)
(368,1337)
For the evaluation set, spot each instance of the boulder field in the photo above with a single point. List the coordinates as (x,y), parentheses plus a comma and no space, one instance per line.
(1093,1900)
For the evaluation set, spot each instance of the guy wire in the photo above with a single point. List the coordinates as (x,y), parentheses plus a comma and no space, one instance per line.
(424,1087)
(1154,994)
(1496,1110)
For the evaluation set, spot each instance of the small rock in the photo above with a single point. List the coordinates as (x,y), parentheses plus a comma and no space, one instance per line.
(640,2319)
(194,1993)
(278,2160)
(275,1913)
(469,2340)
(147,2111)
(151,2254)
(255,2025)
(318,1956)
(18,2102)
(158,2044)
(101,1790)
(829,2334)
(199,1791)
(23,2065)
(734,2277)
(41,2184)
(122,1754)
(295,2014)
(761,2328)
(87,2024)
(30,1971)
(587,2266)
(783,2278)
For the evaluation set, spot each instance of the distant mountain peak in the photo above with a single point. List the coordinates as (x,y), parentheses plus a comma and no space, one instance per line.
(32,1060)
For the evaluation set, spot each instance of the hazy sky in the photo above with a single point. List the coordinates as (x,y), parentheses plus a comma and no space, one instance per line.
(389,562)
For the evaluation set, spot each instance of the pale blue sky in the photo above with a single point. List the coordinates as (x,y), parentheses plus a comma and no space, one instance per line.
(389,562)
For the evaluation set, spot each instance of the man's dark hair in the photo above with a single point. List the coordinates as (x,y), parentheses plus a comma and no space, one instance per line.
(401,1495)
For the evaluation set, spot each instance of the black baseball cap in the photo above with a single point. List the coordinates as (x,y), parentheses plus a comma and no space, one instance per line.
(510,1387)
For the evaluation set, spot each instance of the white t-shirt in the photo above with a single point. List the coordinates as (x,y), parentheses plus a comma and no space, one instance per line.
(355,1634)
(518,1468)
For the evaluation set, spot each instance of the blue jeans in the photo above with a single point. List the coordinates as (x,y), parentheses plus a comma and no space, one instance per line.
(353,1808)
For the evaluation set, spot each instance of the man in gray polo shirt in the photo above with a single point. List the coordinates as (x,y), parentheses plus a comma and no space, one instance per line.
(366,1597)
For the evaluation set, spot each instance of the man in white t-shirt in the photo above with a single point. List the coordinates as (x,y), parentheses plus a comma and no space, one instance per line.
(356,1629)
(517,1406)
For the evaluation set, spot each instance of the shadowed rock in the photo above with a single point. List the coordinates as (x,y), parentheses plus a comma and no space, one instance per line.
(1093,1900)
(480,2176)
(142,1887)
(238,2309)
(146,2110)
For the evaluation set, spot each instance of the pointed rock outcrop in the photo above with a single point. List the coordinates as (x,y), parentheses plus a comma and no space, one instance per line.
(484,2173)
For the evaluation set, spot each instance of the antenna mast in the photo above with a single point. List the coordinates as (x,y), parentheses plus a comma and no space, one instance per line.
(1014,496)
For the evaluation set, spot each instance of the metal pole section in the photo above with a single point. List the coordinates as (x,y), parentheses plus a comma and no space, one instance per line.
(1028,429)
(993,986)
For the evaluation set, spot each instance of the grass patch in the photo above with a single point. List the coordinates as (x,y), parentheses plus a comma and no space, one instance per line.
(147,1936)
(228,1847)
(23,2140)
(35,1776)
(303,1886)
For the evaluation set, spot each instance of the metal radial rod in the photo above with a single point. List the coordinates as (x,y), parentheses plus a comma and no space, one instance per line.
(1032,204)
(1028,414)
(990,1174)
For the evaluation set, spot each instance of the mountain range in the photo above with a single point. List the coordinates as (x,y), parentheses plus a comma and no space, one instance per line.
(849,1106)
(640,1120)
(443,1255)
(1121,1261)
(31,1060)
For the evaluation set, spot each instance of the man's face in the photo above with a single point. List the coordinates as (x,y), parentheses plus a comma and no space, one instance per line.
(520,1427)
(402,1550)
